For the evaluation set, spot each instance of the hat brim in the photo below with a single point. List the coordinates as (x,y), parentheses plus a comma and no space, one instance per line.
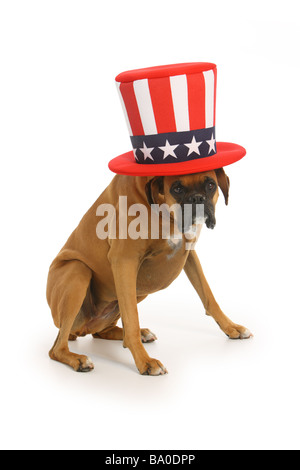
(227,153)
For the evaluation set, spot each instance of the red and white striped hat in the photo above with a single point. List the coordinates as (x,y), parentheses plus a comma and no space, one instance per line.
(170,112)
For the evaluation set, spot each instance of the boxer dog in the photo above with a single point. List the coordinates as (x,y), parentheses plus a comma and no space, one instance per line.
(94,282)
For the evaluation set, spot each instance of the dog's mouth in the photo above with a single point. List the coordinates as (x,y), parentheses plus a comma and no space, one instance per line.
(192,218)
(210,220)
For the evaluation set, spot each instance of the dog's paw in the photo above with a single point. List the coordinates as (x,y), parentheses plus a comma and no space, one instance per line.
(238,332)
(153,367)
(147,336)
(78,362)
(84,364)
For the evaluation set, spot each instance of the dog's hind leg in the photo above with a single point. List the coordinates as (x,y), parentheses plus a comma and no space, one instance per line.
(66,290)
(117,334)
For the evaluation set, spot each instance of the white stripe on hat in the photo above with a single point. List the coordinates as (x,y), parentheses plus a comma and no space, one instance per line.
(209,98)
(179,89)
(143,97)
(124,109)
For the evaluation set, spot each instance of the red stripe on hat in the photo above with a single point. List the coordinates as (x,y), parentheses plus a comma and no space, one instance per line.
(162,102)
(196,95)
(215,74)
(127,92)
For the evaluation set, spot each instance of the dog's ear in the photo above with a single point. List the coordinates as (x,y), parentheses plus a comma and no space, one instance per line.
(224,183)
(153,188)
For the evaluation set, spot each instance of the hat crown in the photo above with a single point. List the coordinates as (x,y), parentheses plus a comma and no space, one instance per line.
(171,113)
(170,110)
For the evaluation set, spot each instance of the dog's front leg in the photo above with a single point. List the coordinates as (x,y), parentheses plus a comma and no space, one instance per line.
(195,274)
(125,274)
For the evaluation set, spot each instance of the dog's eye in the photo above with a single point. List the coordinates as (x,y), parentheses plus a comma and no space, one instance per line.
(178,189)
(211,186)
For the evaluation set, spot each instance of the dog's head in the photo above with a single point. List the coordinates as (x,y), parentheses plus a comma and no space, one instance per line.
(191,190)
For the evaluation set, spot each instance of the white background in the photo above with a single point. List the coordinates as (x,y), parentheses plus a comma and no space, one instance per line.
(60,124)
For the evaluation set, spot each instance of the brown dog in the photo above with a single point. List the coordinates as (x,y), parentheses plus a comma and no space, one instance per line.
(94,282)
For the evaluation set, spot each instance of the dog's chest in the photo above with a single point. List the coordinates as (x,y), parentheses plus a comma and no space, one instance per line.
(161,268)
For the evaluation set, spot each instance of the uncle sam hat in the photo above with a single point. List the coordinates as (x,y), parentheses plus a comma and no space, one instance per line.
(171,112)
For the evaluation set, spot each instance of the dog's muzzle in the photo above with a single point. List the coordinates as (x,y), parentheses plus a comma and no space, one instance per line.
(209,215)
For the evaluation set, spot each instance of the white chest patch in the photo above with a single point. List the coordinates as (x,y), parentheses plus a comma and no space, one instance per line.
(193,234)
(194,231)
(175,244)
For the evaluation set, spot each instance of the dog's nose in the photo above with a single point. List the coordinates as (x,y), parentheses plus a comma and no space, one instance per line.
(196,199)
